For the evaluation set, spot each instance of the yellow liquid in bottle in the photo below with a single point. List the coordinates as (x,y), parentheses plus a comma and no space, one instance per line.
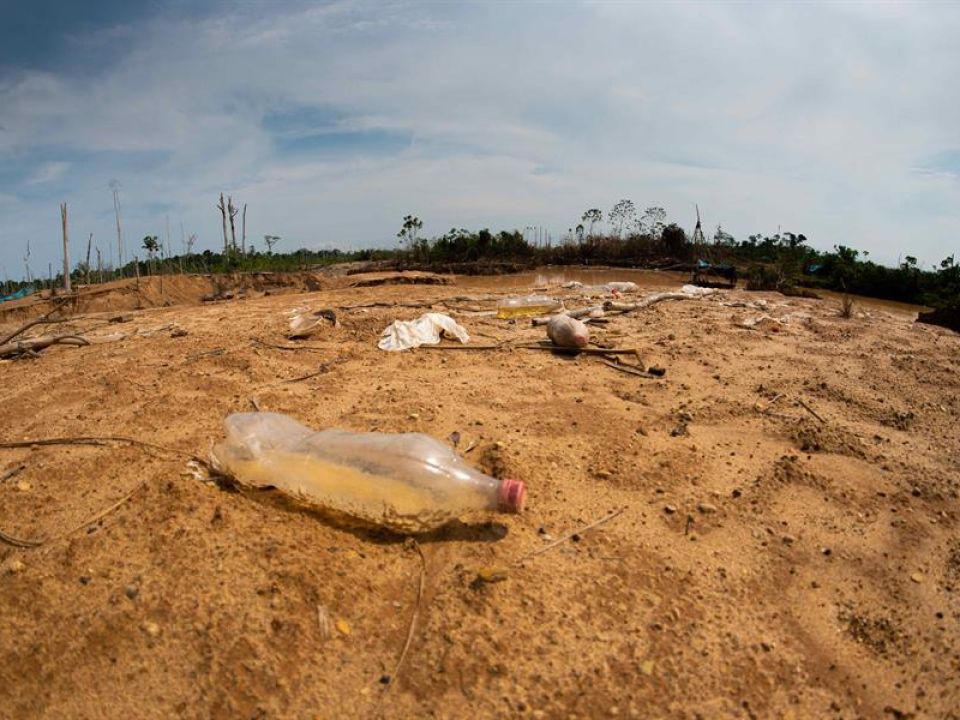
(508,312)
(379,499)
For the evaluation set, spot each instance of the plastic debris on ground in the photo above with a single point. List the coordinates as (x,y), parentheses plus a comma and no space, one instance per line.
(408,482)
(527,306)
(305,322)
(425,330)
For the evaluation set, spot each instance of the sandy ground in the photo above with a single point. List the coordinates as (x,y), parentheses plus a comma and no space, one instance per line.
(765,565)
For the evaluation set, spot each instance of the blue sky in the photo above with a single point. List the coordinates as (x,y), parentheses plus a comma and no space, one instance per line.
(334,120)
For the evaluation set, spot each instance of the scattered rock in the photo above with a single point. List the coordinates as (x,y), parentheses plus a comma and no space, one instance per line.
(151,628)
(24,486)
(15,567)
(85,579)
(917,577)
(491,574)
(647,666)
(707,508)
(669,509)
(131,591)
(343,627)
(178,332)
(789,539)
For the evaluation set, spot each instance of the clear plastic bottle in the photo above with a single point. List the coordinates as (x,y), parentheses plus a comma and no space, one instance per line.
(527,306)
(407,482)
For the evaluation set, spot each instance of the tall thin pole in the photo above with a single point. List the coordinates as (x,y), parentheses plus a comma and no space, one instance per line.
(116,211)
(86,267)
(243,232)
(66,249)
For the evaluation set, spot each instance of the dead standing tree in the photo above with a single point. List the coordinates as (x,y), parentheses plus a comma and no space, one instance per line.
(243,232)
(232,209)
(223,212)
(86,267)
(66,248)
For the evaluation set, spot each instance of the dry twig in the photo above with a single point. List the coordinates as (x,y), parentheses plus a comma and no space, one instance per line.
(12,472)
(413,618)
(811,410)
(578,531)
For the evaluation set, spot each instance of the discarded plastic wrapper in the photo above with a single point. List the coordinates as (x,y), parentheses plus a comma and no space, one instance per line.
(621,287)
(305,322)
(408,482)
(425,330)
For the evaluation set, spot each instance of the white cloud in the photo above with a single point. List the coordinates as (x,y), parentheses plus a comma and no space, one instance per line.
(46,172)
(811,117)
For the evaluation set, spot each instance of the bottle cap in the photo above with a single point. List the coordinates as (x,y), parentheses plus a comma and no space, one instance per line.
(513,495)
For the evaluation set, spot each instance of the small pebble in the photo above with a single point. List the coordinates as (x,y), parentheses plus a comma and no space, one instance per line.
(15,567)
(131,591)
(707,508)
(669,509)
(646,667)
(917,577)
(384,679)
(343,627)
(492,574)
(24,486)
(789,539)
(85,579)
(151,628)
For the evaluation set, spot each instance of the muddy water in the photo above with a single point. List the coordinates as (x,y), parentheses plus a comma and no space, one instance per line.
(552,277)
(548,277)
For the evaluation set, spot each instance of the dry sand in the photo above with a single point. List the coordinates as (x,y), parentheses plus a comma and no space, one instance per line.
(765,565)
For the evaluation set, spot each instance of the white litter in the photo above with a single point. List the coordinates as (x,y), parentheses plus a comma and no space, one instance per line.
(425,330)
(695,291)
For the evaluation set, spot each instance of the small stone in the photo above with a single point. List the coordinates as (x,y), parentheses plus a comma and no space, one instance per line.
(669,509)
(178,332)
(384,679)
(24,486)
(414,416)
(646,667)
(916,492)
(85,579)
(789,539)
(707,508)
(14,567)
(917,577)
(151,628)
(343,627)
(492,574)
(604,474)
(131,591)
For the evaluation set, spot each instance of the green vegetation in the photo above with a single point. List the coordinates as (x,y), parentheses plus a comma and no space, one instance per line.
(783,261)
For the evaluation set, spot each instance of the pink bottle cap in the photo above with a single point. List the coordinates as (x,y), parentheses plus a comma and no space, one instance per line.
(512,495)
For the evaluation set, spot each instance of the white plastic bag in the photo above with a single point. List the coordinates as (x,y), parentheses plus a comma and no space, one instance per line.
(425,330)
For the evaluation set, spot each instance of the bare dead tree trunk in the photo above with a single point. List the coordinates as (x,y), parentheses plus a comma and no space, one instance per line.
(86,268)
(116,211)
(223,211)
(66,249)
(99,267)
(233,230)
(243,234)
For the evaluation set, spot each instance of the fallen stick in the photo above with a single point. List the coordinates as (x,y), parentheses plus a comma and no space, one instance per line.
(576,314)
(98,441)
(12,472)
(255,403)
(255,341)
(646,302)
(19,347)
(631,370)
(31,543)
(413,618)
(811,410)
(601,521)
(207,353)
(42,320)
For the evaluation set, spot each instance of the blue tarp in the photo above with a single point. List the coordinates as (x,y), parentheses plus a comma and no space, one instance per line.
(21,293)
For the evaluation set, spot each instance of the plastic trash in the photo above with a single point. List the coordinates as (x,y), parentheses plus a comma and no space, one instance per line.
(527,306)
(305,322)
(621,287)
(408,482)
(425,330)
(697,291)
(568,332)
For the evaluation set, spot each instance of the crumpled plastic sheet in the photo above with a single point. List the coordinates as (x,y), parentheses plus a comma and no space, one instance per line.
(425,330)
